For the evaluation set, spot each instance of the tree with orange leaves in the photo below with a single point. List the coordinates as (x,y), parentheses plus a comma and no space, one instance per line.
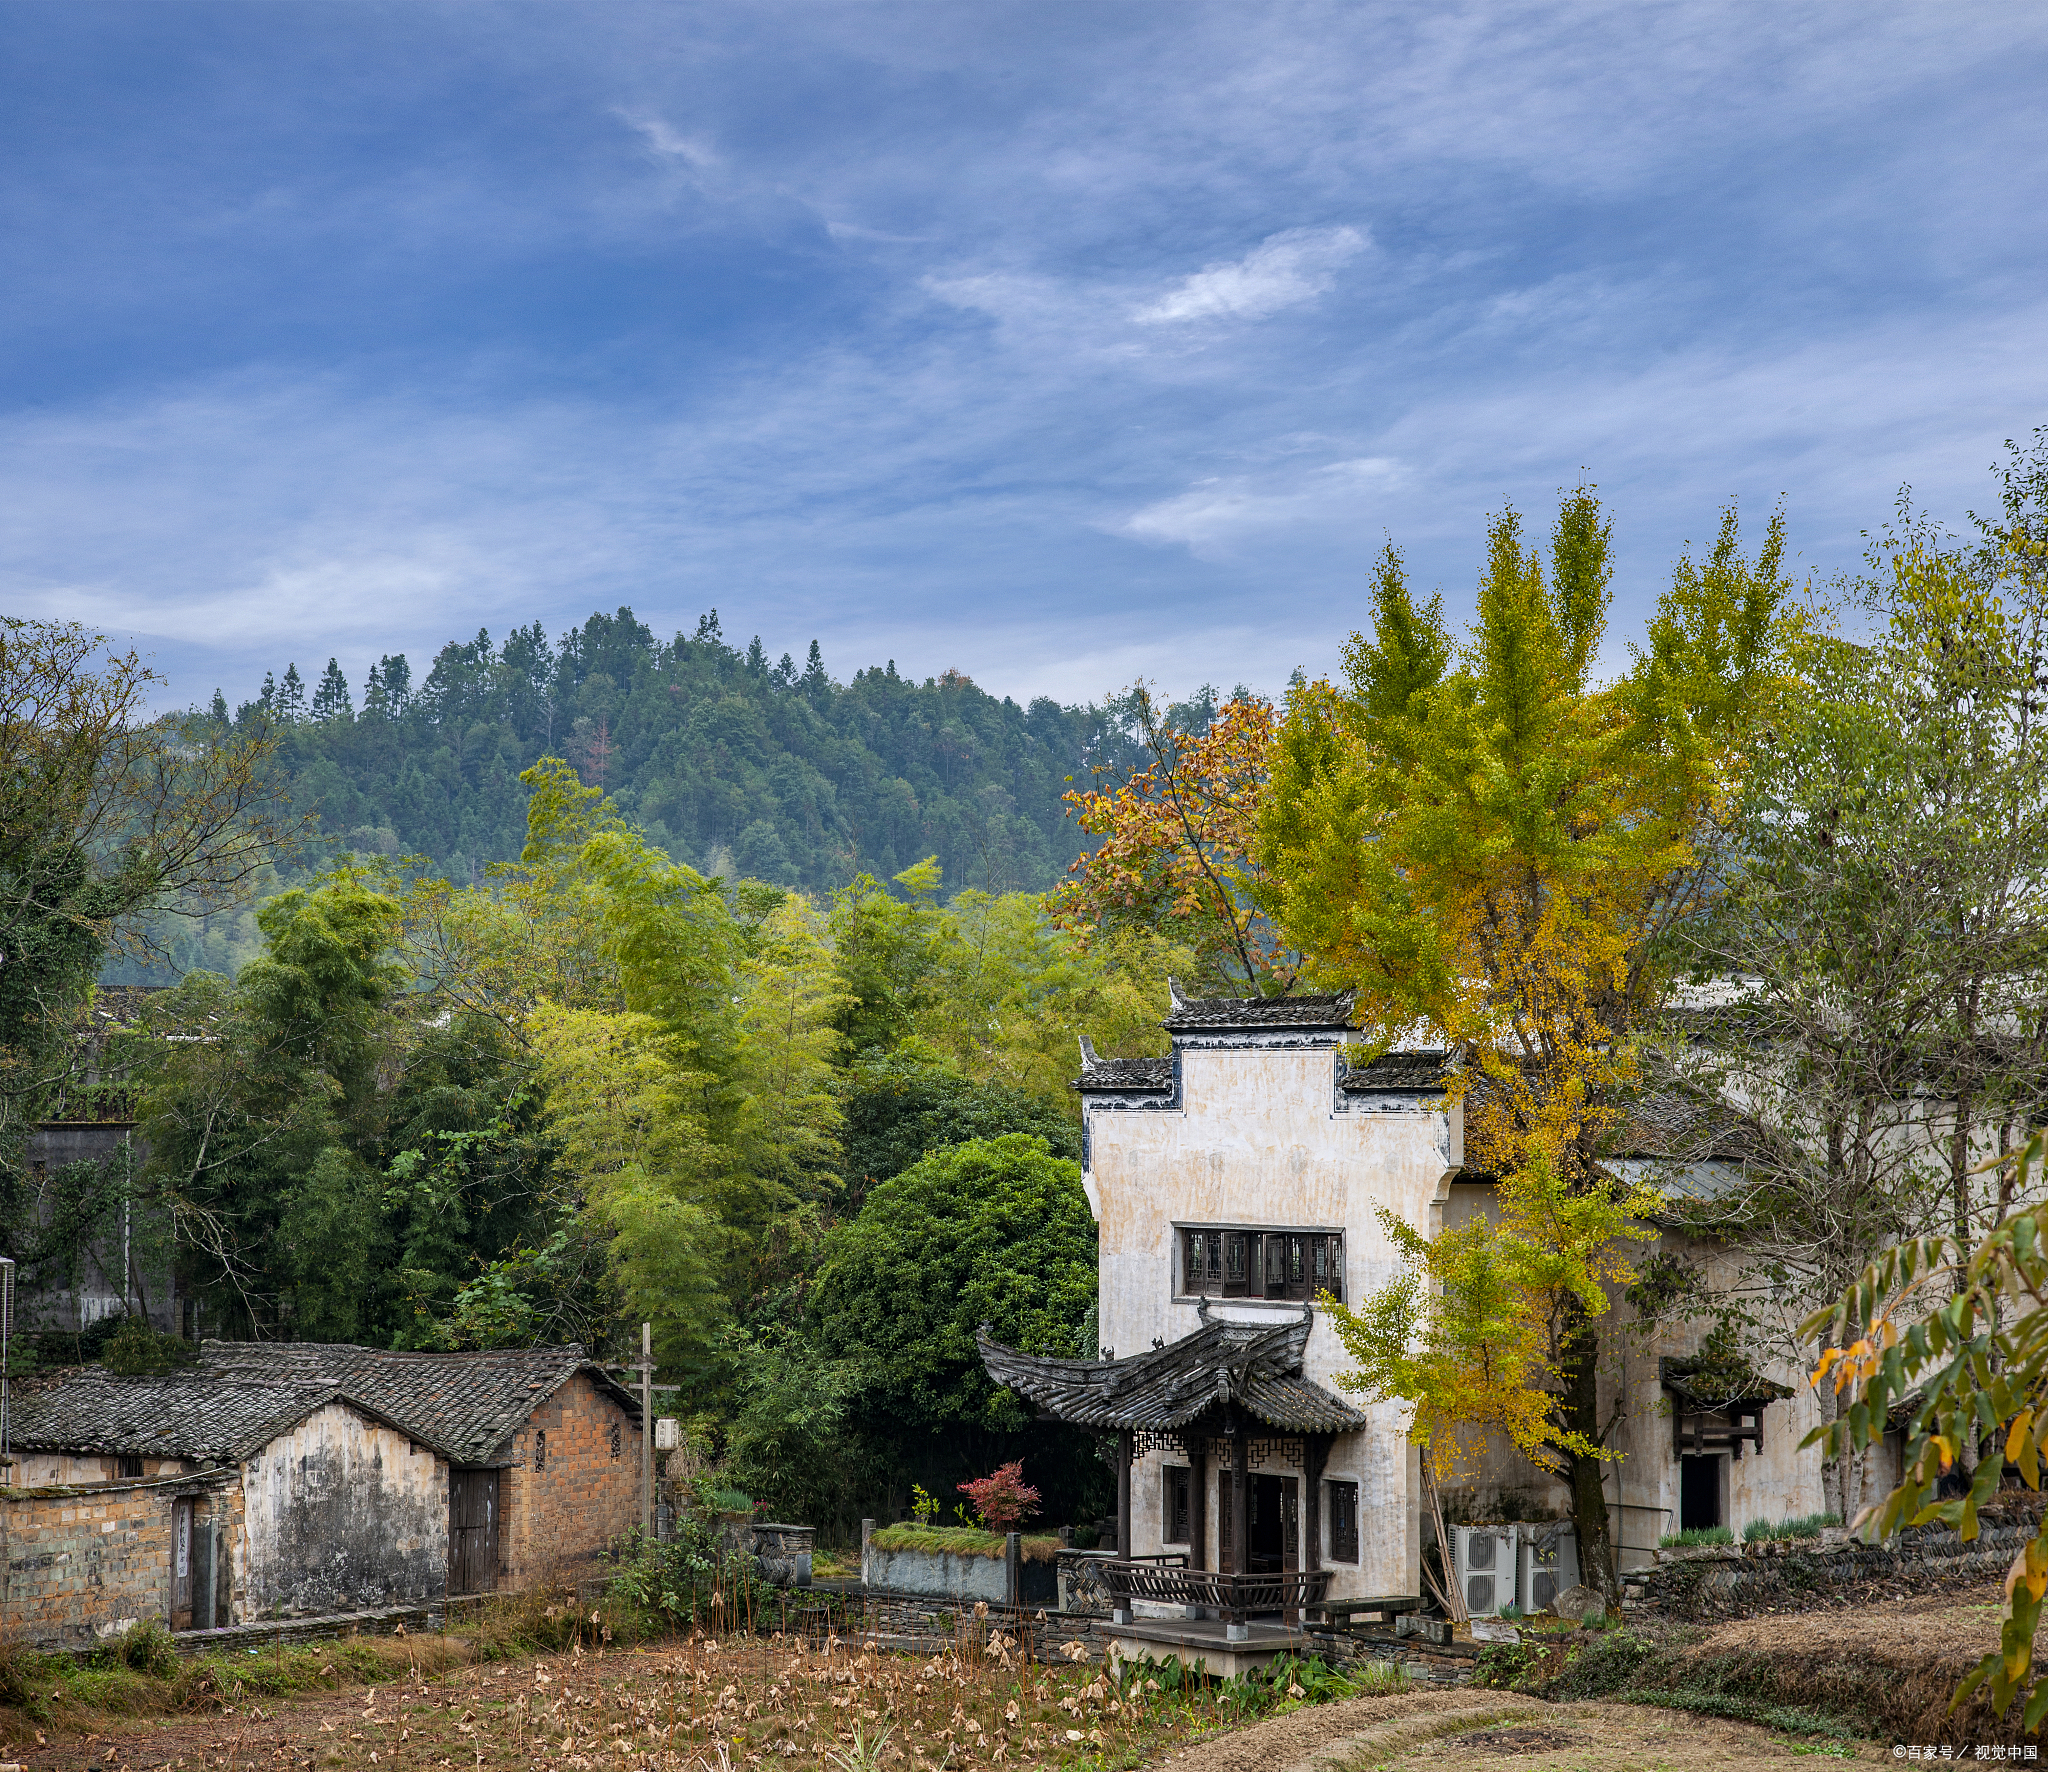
(1175,856)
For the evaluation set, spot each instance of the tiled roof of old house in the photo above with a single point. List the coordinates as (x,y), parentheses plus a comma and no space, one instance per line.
(1169,1388)
(1216,1015)
(1422,1071)
(241,1395)
(1147,1074)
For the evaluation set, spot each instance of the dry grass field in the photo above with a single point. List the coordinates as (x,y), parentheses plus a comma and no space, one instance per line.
(383,1705)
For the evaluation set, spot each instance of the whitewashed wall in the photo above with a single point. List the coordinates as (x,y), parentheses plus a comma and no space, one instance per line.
(1261,1138)
(341,1513)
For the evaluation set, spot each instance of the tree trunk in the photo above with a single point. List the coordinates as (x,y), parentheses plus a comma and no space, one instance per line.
(1587,1476)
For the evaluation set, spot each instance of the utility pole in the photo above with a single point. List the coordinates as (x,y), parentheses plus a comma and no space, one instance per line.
(646,1431)
(6,1331)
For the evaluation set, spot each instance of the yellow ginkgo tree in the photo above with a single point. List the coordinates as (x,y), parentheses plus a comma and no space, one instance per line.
(1467,1335)
(1493,847)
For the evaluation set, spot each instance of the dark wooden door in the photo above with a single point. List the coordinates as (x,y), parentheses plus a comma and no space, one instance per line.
(472,1531)
(1266,1529)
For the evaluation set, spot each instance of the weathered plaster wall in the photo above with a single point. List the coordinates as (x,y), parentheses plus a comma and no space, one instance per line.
(342,1513)
(1643,1486)
(558,1518)
(1262,1138)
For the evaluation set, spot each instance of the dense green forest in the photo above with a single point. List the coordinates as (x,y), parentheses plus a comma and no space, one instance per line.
(728,762)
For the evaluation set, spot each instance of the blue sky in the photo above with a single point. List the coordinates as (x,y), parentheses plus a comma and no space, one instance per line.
(1060,344)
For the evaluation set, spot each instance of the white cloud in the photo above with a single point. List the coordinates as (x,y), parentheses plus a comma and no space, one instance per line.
(1214,514)
(1282,272)
(693,151)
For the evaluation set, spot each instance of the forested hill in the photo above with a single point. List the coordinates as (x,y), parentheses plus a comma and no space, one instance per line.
(728,761)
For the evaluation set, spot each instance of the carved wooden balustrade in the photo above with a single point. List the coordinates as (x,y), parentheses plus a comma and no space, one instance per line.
(1167,1580)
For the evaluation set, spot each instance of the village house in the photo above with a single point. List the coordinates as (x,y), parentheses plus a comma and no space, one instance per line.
(1239,1177)
(287,1480)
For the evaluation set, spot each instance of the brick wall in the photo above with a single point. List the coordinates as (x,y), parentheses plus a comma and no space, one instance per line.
(81,1564)
(558,1514)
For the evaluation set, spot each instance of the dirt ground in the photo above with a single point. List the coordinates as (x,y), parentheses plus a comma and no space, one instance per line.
(1415,1730)
(1921,1626)
(1477,1729)
(695,1709)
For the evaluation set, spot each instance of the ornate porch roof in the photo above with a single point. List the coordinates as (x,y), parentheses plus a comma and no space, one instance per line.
(1255,1369)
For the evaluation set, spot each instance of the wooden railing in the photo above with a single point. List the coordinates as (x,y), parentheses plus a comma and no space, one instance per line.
(1169,1581)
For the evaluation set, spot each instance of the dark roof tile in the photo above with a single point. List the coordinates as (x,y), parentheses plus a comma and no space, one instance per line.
(241,1395)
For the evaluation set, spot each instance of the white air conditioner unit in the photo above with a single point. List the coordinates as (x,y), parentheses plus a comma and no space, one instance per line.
(1484,1566)
(668,1433)
(1547,1563)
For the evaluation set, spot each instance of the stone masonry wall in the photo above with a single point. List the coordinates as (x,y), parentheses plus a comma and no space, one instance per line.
(1712,1580)
(556,1519)
(78,1565)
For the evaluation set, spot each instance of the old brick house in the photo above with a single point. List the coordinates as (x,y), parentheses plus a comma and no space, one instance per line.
(286,1480)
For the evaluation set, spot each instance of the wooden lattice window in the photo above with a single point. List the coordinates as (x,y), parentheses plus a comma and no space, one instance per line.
(1223,1262)
(1343,1522)
(1176,1505)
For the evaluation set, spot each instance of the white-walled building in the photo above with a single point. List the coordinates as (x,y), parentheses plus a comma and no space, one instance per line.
(1243,1174)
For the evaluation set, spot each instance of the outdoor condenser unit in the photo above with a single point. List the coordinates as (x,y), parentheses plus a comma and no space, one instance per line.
(1485,1567)
(1547,1562)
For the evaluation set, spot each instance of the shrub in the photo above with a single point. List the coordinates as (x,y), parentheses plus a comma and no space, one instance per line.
(1804,1526)
(135,1350)
(1002,1501)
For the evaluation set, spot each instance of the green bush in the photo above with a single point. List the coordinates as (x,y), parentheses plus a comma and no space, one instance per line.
(147,1648)
(1695,1535)
(135,1350)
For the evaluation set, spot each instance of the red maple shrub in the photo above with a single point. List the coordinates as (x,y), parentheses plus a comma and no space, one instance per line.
(1003,1501)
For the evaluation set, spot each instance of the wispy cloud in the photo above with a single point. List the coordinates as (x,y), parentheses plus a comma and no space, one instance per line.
(1281,272)
(693,151)
(1215,516)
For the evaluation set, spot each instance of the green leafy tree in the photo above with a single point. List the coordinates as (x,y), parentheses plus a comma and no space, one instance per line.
(992,1231)
(1953,1334)
(905,1105)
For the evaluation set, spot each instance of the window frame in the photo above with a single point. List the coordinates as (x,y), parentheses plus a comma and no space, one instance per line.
(1176,1503)
(1259,1263)
(1342,1496)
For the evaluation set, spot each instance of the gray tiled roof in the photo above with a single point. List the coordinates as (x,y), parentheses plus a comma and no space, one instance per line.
(1398,1073)
(188,1414)
(1190,1015)
(1173,1387)
(1149,1074)
(243,1394)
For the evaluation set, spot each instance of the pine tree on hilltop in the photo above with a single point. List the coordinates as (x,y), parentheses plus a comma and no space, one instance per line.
(331,700)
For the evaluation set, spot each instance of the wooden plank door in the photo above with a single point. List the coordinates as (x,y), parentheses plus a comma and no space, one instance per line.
(181,1565)
(472,1531)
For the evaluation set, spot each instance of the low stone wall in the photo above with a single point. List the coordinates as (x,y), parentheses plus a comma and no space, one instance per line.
(1705,1580)
(1011,1580)
(784,1552)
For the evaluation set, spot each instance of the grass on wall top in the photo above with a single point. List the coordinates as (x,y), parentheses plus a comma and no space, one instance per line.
(961,1541)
